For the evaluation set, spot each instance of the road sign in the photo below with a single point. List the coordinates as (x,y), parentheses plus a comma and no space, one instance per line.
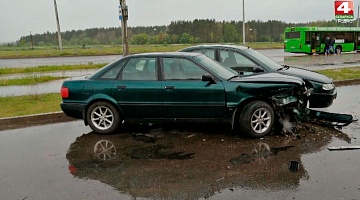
(120,13)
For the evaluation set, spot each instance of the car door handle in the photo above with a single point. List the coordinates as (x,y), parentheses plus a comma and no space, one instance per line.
(169,88)
(121,87)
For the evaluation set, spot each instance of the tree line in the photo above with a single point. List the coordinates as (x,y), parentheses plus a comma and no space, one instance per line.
(181,31)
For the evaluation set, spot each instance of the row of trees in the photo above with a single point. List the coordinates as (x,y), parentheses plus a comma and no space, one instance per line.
(196,31)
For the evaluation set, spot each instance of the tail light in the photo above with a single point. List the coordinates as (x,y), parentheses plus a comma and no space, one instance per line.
(64,92)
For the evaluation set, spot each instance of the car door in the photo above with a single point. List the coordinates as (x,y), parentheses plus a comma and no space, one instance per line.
(186,95)
(138,90)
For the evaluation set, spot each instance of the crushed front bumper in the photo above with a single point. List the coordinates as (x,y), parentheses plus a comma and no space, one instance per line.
(334,120)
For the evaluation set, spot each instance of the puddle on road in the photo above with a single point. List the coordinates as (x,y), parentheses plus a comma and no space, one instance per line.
(260,151)
(191,161)
(159,152)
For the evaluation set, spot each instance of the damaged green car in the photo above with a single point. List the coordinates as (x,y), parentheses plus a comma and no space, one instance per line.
(181,86)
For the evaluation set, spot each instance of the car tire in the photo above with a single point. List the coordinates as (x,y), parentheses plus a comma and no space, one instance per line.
(256,119)
(338,49)
(103,117)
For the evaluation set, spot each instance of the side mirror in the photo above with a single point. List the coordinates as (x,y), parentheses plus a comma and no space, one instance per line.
(208,78)
(257,69)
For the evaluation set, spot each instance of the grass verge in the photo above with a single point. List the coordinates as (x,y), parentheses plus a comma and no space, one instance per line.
(50,68)
(29,80)
(342,73)
(29,104)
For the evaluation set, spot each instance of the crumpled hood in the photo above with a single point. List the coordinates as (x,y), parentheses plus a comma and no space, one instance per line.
(270,78)
(306,74)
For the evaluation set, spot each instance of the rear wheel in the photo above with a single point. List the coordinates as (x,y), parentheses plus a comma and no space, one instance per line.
(103,117)
(256,119)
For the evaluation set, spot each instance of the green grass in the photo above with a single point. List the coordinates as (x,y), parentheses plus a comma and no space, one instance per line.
(342,73)
(38,78)
(29,104)
(50,68)
(29,80)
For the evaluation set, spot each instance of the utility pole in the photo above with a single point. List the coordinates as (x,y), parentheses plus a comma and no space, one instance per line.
(31,40)
(124,18)
(244,23)
(357,21)
(58,25)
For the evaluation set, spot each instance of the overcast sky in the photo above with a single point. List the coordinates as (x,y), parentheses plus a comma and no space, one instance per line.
(19,17)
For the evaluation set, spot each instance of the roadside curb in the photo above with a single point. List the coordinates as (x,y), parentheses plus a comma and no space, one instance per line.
(33,120)
(347,82)
(58,117)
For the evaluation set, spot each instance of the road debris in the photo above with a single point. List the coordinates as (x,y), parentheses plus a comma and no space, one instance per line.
(294,166)
(291,119)
(341,148)
(147,138)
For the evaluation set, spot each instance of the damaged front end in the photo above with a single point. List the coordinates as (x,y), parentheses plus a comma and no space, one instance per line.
(291,109)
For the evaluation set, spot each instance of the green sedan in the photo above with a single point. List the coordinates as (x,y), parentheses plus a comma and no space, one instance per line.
(180,86)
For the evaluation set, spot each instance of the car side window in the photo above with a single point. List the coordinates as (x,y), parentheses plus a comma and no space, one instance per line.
(207,52)
(140,69)
(236,61)
(181,69)
(113,72)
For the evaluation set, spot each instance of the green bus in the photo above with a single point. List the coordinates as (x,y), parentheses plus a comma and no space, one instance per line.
(311,40)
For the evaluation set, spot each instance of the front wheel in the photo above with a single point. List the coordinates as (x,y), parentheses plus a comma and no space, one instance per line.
(256,119)
(103,117)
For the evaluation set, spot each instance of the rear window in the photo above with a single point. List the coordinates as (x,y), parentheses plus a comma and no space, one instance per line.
(291,35)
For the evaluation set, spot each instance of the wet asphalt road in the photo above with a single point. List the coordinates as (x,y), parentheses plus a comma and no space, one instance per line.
(31,62)
(181,161)
(313,62)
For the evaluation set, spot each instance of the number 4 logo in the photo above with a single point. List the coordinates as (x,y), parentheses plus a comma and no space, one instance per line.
(345,7)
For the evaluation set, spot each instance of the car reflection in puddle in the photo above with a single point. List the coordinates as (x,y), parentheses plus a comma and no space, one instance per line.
(191,161)
(104,150)
(260,152)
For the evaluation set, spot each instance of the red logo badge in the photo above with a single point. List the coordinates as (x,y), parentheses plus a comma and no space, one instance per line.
(345,7)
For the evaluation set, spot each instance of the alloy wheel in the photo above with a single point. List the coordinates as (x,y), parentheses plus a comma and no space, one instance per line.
(102,117)
(261,120)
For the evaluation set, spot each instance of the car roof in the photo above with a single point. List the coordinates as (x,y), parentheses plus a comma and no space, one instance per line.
(217,46)
(170,54)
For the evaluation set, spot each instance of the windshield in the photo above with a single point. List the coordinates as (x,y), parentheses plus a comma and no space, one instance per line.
(216,68)
(264,59)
